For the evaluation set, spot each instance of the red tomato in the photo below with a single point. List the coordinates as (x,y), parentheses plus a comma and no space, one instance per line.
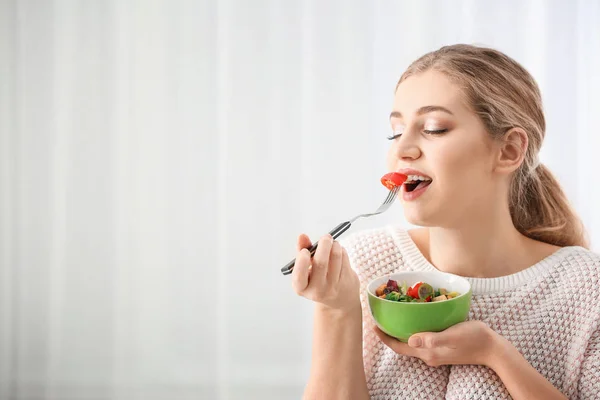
(414,291)
(393,179)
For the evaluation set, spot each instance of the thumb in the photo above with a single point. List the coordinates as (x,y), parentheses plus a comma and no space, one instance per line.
(303,242)
(428,340)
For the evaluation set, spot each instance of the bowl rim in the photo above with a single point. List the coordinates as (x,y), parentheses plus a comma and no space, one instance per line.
(419,272)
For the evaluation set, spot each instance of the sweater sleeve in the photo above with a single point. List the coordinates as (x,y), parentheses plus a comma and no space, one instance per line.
(589,381)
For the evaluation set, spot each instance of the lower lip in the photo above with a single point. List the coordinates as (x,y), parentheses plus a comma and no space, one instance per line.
(409,196)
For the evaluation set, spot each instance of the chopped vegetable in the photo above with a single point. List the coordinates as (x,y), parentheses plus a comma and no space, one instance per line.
(425,291)
(380,289)
(393,285)
(394,296)
(420,292)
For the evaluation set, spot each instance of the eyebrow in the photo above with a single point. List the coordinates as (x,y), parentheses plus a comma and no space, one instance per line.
(422,110)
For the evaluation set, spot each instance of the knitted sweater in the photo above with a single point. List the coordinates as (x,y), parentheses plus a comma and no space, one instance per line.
(550,312)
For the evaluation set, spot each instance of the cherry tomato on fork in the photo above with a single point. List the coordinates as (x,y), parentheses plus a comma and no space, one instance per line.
(393,179)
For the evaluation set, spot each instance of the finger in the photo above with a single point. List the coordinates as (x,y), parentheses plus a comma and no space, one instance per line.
(303,242)
(345,262)
(301,271)
(321,261)
(432,340)
(424,340)
(335,263)
(395,344)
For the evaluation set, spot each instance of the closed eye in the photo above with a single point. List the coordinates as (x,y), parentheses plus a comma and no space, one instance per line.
(428,132)
(436,132)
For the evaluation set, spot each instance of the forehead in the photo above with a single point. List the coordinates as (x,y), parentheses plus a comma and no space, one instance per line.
(427,89)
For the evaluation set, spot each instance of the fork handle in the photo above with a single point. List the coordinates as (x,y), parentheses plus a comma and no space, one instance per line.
(335,233)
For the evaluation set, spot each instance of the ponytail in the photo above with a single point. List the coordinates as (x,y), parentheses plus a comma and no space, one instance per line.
(540,210)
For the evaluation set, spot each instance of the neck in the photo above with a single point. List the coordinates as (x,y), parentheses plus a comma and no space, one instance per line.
(483,250)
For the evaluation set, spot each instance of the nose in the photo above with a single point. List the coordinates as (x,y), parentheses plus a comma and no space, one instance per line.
(407,148)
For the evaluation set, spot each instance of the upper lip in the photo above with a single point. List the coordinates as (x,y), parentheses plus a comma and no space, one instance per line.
(410,171)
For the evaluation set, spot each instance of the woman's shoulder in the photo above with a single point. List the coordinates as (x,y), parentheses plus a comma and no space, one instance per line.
(573,284)
(579,262)
(573,277)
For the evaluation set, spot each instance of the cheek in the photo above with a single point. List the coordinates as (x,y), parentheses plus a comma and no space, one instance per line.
(466,179)
(450,165)
(462,156)
(460,171)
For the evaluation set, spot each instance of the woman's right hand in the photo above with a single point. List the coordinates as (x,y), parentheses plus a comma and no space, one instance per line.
(330,281)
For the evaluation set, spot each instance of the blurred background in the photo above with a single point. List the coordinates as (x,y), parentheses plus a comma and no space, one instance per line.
(159,158)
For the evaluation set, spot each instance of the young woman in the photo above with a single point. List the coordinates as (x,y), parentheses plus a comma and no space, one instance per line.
(467,122)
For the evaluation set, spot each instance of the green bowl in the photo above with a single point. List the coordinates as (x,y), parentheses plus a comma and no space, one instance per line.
(401,320)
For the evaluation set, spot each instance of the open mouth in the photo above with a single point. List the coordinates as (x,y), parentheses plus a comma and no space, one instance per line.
(415,182)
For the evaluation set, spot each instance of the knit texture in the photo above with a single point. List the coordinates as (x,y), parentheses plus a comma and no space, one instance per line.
(550,312)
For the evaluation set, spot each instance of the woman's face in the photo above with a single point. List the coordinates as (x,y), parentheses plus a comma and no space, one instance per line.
(436,135)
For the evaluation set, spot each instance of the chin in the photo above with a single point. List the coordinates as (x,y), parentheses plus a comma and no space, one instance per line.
(423,215)
(420,218)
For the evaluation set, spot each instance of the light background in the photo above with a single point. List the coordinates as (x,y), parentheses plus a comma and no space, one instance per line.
(159,158)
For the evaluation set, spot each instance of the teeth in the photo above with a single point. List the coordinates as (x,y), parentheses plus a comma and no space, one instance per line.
(414,178)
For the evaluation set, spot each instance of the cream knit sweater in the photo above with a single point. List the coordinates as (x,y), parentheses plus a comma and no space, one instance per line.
(550,312)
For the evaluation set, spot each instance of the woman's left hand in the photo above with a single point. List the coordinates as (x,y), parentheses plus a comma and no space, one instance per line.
(469,342)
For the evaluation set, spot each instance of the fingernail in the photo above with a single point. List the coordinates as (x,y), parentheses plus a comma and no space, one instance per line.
(415,341)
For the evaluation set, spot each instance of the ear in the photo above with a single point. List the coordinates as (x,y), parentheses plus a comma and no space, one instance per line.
(512,150)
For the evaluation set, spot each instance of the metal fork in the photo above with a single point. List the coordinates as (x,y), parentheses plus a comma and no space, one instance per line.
(343,227)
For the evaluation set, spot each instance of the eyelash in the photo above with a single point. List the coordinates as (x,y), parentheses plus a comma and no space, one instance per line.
(436,132)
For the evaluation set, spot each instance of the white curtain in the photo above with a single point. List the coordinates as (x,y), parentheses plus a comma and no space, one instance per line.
(159,158)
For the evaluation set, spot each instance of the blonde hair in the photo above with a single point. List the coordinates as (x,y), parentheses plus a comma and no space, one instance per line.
(504,95)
